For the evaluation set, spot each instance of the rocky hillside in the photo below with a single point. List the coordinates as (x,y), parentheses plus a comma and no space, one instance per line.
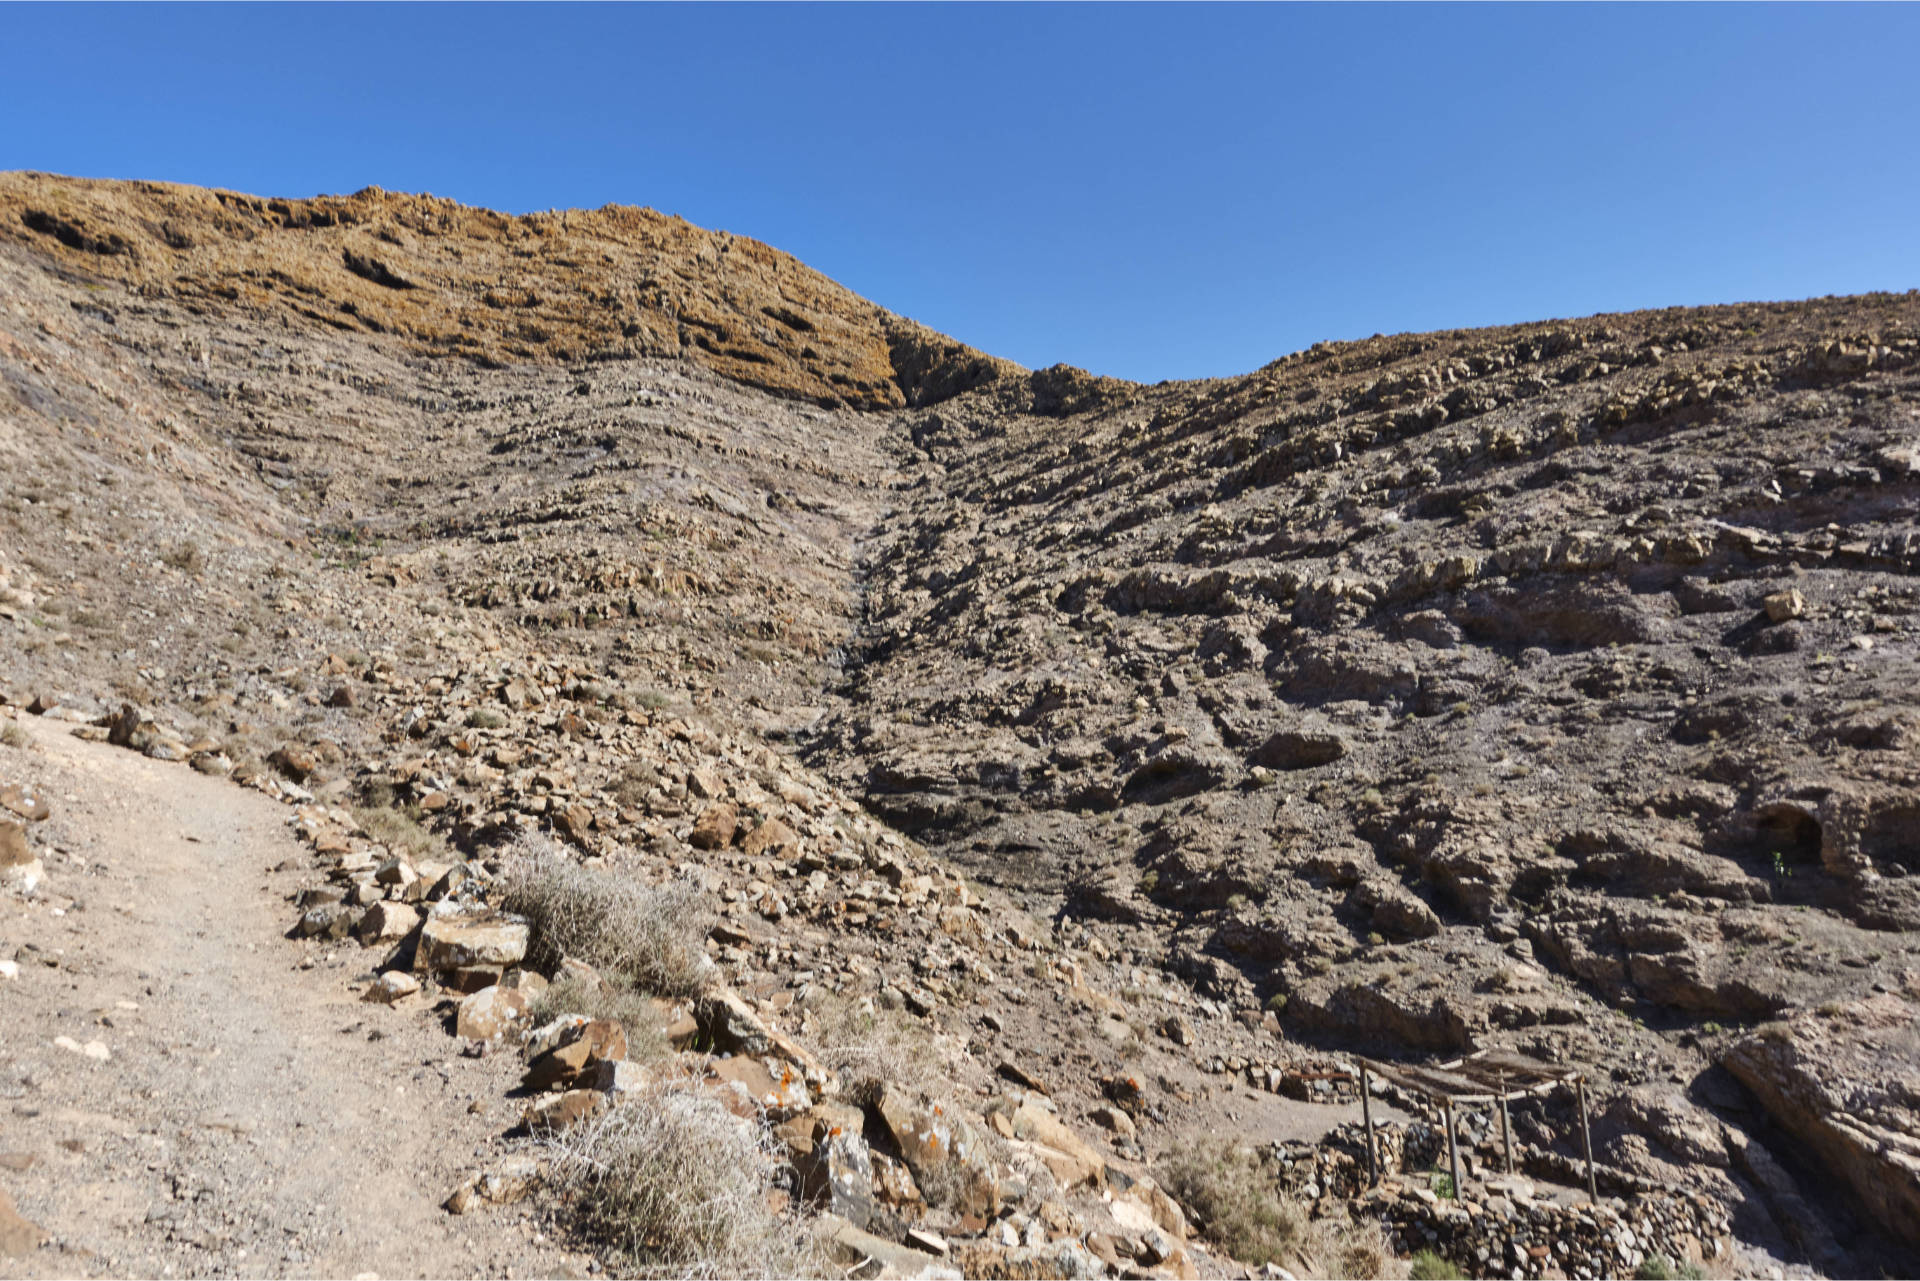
(606,284)
(1154,750)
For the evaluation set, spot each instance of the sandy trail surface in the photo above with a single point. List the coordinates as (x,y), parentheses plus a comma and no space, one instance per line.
(222,1104)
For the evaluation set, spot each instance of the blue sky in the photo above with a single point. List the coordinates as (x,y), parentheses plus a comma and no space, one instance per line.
(1147,191)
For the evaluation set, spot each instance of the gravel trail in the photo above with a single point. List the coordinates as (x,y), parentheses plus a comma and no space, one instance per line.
(251,1117)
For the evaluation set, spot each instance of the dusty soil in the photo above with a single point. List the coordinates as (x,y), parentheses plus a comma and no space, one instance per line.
(254,1117)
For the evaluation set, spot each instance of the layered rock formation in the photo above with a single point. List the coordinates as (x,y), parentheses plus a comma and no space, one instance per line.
(1550,688)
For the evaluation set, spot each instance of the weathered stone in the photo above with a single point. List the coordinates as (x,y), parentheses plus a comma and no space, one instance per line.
(937,1142)
(562,1111)
(854,1246)
(29,804)
(715,828)
(327,921)
(836,1170)
(386,922)
(490,1013)
(775,1087)
(1298,749)
(459,937)
(576,1049)
(1784,606)
(1844,1082)
(1072,1160)
(391,987)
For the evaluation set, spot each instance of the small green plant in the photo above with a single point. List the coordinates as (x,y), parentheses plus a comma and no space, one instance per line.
(1430,1265)
(1657,1267)
(1780,867)
(485,718)
(1442,1184)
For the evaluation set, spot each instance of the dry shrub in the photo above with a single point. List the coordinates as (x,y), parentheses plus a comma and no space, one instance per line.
(1238,1200)
(679,1186)
(635,781)
(400,832)
(12,735)
(652,938)
(870,1046)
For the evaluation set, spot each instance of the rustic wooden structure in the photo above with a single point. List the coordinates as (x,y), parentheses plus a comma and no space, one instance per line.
(1487,1077)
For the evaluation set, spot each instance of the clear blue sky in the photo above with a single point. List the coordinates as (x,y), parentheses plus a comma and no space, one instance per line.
(1144,191)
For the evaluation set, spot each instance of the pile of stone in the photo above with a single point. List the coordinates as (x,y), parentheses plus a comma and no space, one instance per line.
(1501,1225)
(1503,1229)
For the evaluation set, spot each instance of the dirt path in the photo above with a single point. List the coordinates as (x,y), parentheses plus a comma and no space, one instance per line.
(254,1118)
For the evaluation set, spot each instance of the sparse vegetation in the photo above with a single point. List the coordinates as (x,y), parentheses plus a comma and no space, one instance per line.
(1657,1267)
(399,830)
(634,782)
(870,1046)
(11,735)
(485,718)
(604,1000)
(1238,1201)
(651,938)
(1430,1265)
(677,1185)
(185,556)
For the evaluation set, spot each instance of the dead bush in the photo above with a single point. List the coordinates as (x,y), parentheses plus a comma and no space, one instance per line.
(653,938)
(400,831)
(12,735)
(870,1046)
(1238,1200)
(185,556)
(635,781)
(679,1186)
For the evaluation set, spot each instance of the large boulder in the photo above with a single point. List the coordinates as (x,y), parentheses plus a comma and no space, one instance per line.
(1846,1081)
(457,938)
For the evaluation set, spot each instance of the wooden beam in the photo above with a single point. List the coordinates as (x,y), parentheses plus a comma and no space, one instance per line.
(1366,1116)
(1506,1133)
(1586,1139)
(1453,1150)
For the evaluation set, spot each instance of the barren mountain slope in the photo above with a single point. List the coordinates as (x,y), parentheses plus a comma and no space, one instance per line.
(1548,688)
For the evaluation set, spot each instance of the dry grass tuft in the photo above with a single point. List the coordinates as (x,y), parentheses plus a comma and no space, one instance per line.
(606,1000)
(12,735)
(871,1047)
(678,1186)
(650,938)
(400,831)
